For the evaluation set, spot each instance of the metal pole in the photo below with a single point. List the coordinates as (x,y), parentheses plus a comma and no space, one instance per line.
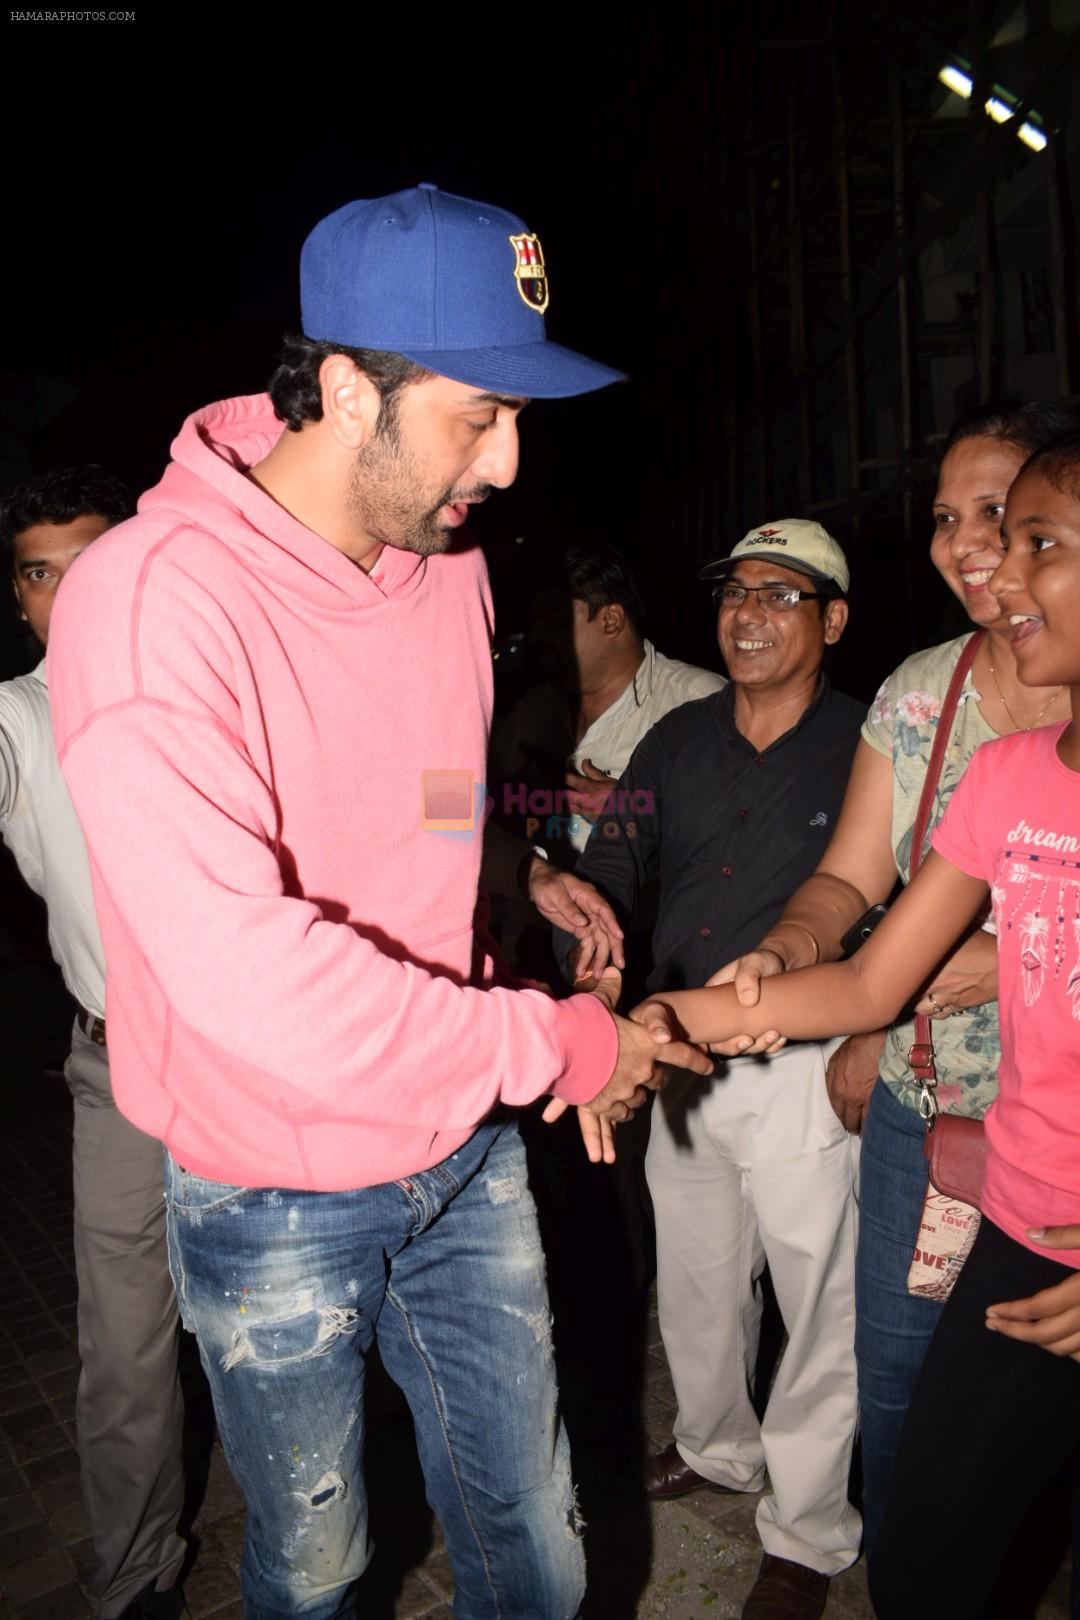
(905,300)
(852,391)
(800,370)
(989,365)
(732,43)
(763,483)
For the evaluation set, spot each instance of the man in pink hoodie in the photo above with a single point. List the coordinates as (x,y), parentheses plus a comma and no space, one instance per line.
(295,681)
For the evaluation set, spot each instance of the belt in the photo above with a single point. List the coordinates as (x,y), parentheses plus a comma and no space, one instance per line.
(93,1028)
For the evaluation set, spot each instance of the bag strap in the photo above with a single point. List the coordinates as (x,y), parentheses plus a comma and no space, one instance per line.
(921,1054)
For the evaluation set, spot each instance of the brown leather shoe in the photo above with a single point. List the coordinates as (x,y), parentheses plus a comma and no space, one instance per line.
(668,1475)
(785,1590)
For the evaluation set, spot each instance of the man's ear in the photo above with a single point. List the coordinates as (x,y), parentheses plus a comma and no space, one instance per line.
(613,618)
(836,617)
(350,401)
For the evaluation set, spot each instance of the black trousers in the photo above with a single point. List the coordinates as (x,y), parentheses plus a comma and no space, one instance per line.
(992,1421)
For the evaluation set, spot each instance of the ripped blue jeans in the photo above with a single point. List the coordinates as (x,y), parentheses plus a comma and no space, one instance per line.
(287,1290)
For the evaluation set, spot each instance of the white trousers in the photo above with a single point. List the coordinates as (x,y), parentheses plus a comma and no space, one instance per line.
(752,1167)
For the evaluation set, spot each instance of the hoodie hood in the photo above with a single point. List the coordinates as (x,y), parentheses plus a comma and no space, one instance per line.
(207,484)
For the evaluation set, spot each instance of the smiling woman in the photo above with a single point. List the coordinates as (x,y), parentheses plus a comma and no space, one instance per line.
(870,849)
(992,1413)
(976,473)
(1021,1281)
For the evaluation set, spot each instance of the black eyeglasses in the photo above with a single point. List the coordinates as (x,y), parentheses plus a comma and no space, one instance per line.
(781,598)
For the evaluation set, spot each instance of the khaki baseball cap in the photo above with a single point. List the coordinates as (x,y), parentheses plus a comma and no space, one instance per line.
(794,543)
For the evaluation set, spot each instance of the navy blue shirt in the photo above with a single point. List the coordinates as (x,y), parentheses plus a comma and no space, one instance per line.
(731,831)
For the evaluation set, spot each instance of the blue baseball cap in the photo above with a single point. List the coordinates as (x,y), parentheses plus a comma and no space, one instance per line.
(458,286)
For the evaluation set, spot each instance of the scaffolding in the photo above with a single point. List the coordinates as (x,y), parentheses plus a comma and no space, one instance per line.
(880,252)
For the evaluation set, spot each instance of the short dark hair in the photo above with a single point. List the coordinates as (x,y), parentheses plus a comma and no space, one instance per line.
(599,575)
(294,387)
(1027,425)
(61,496)
(1059,463)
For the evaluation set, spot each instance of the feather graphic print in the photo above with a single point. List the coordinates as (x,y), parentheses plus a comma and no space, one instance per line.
(1033,934)
(1072,986)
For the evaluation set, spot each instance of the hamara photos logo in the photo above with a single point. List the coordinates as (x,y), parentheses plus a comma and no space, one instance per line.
(451,801)
(453,804)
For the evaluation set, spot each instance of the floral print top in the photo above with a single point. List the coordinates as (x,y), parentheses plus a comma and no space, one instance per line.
(901,724)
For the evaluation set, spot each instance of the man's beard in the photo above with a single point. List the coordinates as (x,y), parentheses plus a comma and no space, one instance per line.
(386,499)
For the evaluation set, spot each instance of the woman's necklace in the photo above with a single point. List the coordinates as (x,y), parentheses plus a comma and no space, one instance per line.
(1055,694)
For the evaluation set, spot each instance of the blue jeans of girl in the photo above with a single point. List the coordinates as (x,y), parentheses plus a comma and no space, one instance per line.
(893,1328)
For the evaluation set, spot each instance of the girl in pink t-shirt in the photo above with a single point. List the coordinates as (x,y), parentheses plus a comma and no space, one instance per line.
(994,1416)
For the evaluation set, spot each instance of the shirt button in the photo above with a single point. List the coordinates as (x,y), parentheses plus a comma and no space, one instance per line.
(704,932)
(743,814)
(727,870)
(759,759)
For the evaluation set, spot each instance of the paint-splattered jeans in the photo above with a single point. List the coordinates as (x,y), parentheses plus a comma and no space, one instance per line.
(287,1290)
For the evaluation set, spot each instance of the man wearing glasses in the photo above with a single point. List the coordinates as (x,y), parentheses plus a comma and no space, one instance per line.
(752,1166)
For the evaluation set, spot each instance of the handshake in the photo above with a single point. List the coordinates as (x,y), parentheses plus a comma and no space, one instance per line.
(649,1043)
(649,1039)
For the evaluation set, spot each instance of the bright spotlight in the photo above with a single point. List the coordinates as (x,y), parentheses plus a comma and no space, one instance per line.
(961,84)
(955,80)
(1035,138)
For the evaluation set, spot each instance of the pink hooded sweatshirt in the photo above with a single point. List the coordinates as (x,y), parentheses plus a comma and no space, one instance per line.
(244,718)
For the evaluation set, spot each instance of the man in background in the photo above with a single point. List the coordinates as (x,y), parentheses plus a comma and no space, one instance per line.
(608,685)
(624,685)
(731,801)
(128,1409)
(569,738)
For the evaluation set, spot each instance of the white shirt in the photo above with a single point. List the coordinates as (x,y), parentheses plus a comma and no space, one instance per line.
(39,826)
(660,685)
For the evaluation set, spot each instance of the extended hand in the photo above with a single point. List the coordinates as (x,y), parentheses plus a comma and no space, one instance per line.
(746,973)
(1050,1318)
(640,1068)
(589,790)
(570,903)
(592,958)
(851,1076)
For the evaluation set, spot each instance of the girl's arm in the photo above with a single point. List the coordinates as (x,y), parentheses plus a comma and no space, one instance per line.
(856,871)
(864,993)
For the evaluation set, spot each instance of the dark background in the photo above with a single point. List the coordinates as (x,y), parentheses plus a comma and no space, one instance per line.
(808,254)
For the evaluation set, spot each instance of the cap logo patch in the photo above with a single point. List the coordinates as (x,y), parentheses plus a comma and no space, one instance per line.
(767,534)
(530,272)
